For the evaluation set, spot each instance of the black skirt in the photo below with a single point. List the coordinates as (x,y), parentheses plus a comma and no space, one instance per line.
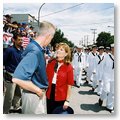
(51,103)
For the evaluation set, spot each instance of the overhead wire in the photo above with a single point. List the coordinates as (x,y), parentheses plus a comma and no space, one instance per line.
(62,10)
(77,6)
(71,8)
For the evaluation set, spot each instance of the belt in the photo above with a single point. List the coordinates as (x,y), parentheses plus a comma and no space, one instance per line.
(8,76)
(26,91)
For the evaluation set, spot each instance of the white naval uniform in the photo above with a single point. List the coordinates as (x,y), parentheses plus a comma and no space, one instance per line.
(78,65)
(86,61)
(92,68)
(99,72)
(108,81)
(86,65)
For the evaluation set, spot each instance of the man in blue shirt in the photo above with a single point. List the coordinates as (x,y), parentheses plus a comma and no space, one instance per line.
(11,58)
(30,74)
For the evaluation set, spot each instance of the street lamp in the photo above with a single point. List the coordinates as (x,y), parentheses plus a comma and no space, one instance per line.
(94,35)
(39,14)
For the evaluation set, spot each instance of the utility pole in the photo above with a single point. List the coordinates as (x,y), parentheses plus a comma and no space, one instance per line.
(84,40)
(94,35)
(79,42)
(39,14)
(87,40)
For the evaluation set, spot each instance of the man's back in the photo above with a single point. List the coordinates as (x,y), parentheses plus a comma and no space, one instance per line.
(32,66)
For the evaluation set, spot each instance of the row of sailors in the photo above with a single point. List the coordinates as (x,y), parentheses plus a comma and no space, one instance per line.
(99,66)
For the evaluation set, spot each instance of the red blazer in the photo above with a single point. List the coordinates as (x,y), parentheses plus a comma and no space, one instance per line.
(64,78)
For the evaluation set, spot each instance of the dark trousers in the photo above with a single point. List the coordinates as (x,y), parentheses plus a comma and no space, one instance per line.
(51,103)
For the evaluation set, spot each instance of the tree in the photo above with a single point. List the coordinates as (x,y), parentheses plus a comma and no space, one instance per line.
(59,37)
(110,40)
(104,39)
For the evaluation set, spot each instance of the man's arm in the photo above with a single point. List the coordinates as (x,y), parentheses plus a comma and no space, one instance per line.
(28,85)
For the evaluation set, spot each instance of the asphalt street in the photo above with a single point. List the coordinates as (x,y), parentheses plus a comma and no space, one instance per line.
(84,101)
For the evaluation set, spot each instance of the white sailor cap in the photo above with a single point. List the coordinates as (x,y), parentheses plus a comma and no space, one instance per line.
(107,48)
(86,48)
(101,47)
(112,45)
(94,46)
(79,46)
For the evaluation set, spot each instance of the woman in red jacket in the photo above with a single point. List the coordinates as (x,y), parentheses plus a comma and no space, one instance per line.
(60,77)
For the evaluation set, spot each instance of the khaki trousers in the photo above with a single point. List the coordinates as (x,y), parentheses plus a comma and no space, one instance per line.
(33,104)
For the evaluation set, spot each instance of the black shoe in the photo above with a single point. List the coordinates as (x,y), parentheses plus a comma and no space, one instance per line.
(74,83)
(96,86)
(111,111)
(93,89)
(15,111)
(98,94)
(77,86)
(100,102)
(86,82)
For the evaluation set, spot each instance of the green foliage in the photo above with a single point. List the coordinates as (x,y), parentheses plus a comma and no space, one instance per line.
(59,37)
(104,39)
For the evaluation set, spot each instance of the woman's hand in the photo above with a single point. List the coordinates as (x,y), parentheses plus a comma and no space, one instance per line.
(66,105)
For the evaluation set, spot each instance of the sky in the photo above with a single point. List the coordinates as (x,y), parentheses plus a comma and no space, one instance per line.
(74,19)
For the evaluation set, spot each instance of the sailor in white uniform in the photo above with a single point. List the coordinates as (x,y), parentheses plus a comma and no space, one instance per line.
(92,67)
(100,70)
(87,51)
(108,81)
(107,50)
(78,63)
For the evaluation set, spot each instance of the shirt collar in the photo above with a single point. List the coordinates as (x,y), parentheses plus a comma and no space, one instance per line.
(40,47)
(17,48)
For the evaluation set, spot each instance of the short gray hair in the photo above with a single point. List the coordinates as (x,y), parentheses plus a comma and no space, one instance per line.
(46,27)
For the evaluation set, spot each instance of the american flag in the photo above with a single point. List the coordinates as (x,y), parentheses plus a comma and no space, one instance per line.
(26,41)
(7,39)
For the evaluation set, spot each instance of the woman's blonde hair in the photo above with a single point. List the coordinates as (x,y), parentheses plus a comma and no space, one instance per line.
(67,59)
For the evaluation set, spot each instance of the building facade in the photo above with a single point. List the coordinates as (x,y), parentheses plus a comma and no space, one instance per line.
(25,18)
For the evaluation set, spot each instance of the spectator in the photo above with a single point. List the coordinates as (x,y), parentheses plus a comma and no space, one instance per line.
(31,72)
(7,23)
(11,59)
(8,18)
(7,40)
(60,77)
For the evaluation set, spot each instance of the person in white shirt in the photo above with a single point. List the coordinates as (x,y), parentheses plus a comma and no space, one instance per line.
(107,50)
(92,67)
(108,81)
(87,51)
(100,71)
(78,63)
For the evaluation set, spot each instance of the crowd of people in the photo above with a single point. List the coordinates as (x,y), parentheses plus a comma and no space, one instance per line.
(16,36)
(35,74)
(11,28)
